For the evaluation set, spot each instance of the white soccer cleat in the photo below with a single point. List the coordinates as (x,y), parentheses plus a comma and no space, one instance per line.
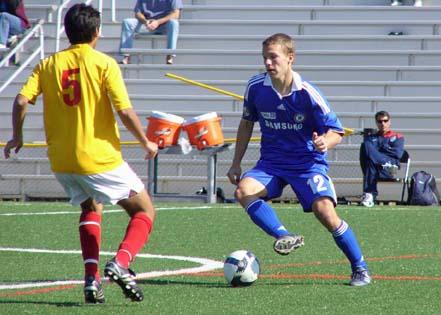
(360,278)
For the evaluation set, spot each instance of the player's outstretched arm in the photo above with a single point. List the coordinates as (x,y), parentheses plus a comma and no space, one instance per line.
(132,123)
(244,133)
(19,110)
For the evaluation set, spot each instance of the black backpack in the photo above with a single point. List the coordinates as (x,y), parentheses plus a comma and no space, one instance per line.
(422,190)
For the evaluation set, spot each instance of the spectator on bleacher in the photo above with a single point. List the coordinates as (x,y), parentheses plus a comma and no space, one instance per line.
(158,17)
(13,20)
(416,3)
(298,128)
(380,155)
(81,89)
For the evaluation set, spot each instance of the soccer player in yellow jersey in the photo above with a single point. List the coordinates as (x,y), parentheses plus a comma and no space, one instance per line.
(79,87)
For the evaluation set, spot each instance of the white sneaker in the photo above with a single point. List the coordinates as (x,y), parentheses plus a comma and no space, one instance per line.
(12,40)
(2,46)
(418,3)
(367,200)
(360,278)
(396,3)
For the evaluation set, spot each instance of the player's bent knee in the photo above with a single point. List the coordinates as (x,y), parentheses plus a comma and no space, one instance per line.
(139,202)
(243,192)
(91,205)
(323,203)
(324,210)
(249,190)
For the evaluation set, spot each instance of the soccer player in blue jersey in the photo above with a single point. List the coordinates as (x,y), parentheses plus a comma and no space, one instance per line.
(298,128)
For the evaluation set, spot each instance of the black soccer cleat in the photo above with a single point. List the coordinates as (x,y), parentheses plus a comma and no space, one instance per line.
(125,278)
(93,291)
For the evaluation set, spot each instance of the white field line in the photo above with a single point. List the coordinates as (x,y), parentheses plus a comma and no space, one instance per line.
(13,214)
(206,265)
(396,209)
(105,211)
(388,209)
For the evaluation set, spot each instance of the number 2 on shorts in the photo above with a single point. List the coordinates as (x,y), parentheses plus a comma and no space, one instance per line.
(317,184)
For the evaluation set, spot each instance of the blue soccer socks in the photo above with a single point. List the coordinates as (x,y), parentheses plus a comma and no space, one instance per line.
(266,218)
(347,242)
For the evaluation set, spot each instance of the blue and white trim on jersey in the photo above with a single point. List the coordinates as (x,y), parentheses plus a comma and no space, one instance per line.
(296,83)
(317,97)
(254,80)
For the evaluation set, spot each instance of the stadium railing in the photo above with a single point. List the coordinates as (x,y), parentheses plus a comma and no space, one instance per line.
(35,30)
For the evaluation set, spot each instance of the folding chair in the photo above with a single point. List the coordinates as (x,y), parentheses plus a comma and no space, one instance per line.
(402,176)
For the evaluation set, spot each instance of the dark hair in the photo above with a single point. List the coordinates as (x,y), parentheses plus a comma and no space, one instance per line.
(381,113)
(285,41)
(12,5)
(81,23)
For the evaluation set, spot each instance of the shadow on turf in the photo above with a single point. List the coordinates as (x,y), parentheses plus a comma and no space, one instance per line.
(274,282)
(193,283)
(58,304)
(306,283)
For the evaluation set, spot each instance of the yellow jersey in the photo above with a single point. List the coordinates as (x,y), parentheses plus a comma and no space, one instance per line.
(79,86)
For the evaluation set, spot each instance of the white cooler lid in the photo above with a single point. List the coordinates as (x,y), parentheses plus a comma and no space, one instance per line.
(200,118)
(166,116)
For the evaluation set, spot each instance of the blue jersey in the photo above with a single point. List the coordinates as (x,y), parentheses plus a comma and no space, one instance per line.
(287,123)
(156,9)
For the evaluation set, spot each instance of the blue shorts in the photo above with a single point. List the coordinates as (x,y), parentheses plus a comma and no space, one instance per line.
(307,185)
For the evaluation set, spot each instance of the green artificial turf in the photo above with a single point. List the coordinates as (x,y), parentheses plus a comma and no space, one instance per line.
(401,244)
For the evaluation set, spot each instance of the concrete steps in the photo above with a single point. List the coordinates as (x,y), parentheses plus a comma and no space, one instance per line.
(342,46)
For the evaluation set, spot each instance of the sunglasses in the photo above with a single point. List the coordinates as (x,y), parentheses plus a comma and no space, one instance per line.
(382,121)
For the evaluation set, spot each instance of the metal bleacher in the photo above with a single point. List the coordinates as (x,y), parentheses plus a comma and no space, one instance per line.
(343,47)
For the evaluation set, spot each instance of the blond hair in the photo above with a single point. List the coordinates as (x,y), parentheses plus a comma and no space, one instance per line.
(285,41)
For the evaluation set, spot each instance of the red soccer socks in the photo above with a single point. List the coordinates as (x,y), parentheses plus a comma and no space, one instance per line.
(90,238)
(136,237)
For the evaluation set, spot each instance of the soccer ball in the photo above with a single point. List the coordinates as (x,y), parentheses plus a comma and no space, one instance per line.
(241,268)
